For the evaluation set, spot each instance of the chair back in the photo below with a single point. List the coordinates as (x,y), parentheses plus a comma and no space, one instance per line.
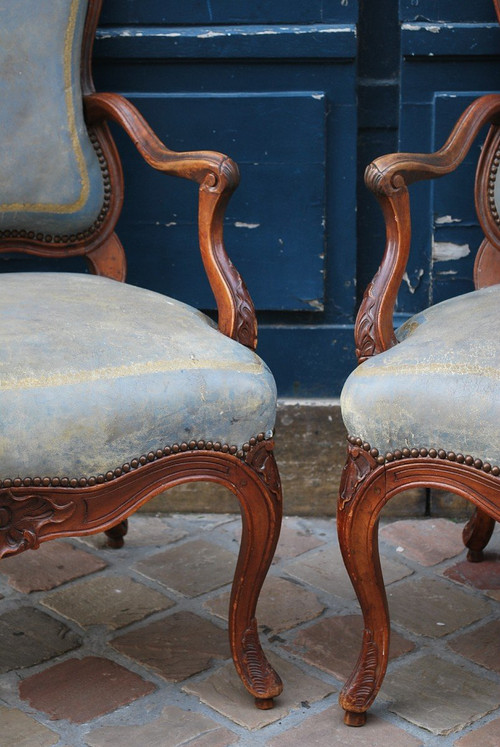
(60,182)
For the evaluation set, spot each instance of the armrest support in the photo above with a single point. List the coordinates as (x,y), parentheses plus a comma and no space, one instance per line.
(388,177)
(218,177)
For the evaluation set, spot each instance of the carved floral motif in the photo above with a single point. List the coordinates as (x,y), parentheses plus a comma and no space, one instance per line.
(358,692)
(359,464)
(261,459)
(22,516)
(364,333)
(262,676)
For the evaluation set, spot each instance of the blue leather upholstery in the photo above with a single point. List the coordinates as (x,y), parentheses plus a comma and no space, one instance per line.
(50,178)
(439,388)
(107,372)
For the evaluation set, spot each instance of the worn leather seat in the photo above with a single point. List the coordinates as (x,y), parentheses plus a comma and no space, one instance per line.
(435,387)
(108,372)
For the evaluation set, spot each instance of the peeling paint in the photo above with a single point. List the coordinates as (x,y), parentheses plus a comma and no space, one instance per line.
(210,34)
(413,288)
(239,224)
(448,272)
(424,27)
(444,251)
(316,304)
(318,96)
(337,30)
(442,219)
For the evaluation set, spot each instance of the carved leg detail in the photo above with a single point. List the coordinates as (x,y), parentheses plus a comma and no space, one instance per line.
(261,508)
(360,503)
(116,534)
(477,533)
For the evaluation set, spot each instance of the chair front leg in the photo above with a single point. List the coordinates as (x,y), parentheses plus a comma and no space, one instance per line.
(362,495)
(477,533)
(259,494)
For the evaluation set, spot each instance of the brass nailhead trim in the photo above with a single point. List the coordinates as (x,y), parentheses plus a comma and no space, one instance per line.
(81,236)
(134,464)
(491,187)
(451,456)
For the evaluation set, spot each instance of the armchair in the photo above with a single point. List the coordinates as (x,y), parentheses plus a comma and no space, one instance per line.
(424,405)
(110,393)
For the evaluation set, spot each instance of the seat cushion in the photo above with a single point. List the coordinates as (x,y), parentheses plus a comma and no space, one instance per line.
(439,388)
(94,373)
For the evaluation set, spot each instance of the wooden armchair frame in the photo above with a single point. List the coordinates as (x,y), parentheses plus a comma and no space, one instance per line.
(370,479)
(35,508)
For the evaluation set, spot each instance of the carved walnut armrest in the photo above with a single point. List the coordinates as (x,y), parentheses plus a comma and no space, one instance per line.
(218,177)
(388,177)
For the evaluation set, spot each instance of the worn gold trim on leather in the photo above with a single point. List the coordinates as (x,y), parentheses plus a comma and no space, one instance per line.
(117,372)
(77,149)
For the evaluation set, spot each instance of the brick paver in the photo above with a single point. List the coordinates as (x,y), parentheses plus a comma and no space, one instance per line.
(115,601)
(137,653)
(428,541)
(224,692)
(481,645)
(483,575)
(282,605)
(17,728)
(175,647)
(28,637)
(485,736)
(334,643)
(325,569)
(328,728)
(449,697)
(192,568)
(82,689)
(173,728)
(53,564)
(434,608)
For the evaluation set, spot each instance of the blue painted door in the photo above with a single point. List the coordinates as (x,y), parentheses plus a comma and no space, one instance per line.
(274,86)
(445,54)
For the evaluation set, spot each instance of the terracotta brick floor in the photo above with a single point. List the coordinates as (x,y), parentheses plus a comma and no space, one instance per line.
(104,647)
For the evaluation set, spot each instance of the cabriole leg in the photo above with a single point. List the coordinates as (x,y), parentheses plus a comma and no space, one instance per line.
(360,502)
(261,510)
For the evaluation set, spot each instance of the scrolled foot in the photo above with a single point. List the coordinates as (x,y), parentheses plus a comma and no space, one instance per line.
(361,688)
(257,674)
(265,704)
(354,718)
(475,556)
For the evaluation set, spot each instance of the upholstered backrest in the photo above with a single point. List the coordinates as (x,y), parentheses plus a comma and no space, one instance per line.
(52,176)
(488,190)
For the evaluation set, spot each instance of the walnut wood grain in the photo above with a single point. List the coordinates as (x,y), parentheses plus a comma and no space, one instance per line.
(217,176)
(368,483)
(31,515)
(108,259)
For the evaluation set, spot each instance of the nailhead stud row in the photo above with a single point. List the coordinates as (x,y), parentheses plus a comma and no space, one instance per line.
(451,456)
(81,236)
(152,456)
(491,187)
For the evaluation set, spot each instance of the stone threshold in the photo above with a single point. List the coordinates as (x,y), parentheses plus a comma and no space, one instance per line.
(310,451)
